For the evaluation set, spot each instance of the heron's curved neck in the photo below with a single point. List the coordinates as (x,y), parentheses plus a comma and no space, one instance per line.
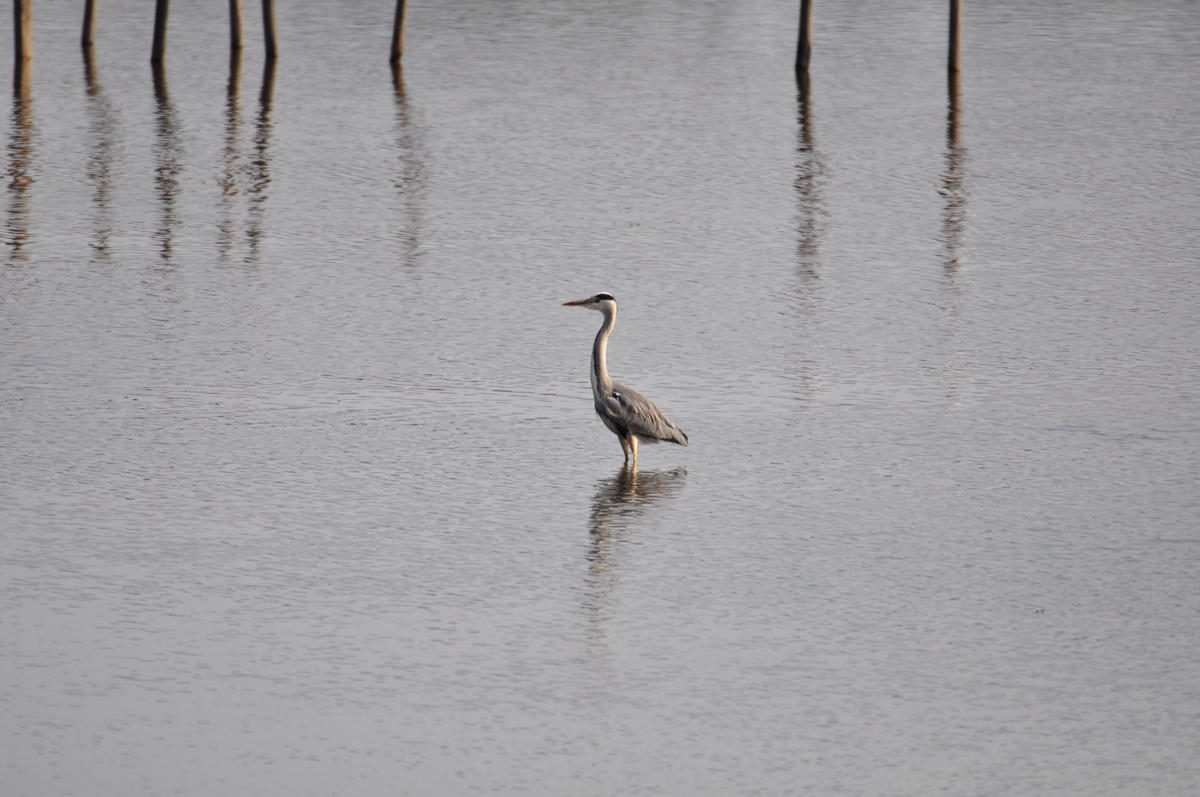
(600,379)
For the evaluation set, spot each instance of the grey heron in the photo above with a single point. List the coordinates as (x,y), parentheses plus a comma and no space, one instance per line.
(628,414)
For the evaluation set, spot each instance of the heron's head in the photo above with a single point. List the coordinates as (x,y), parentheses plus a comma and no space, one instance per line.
(601,301)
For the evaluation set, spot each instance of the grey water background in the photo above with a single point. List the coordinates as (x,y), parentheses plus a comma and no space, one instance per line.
(300,485)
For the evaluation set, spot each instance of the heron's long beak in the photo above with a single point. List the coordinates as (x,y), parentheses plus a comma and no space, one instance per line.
(574,304)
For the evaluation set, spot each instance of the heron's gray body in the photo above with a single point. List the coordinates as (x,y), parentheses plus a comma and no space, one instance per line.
(628,414)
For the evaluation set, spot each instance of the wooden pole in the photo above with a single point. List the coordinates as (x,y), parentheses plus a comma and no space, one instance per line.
(952,110)
(955,33)
(22,30)
(21,86)
(233,87)
(269,29)
(161,9)
(89,71)
(89,23)
(398,31)
(804,45)
(235,25)
(161,96)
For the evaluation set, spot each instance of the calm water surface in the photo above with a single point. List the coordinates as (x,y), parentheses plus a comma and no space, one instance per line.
(302,492)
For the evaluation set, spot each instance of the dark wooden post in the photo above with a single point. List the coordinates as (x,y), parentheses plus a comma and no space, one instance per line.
(952,110)
(235,25)
(269,29)
(398,31)
(89,23)
(955,33)
(89,72)
(804,45)
(22,30)
(21,86)
(161,9)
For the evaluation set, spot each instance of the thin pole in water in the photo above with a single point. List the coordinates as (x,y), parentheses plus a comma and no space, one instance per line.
(398,31)
(804,45)
(89,23)
(955,33)
(269,29)
(235,25)
(22,30)
(161,10)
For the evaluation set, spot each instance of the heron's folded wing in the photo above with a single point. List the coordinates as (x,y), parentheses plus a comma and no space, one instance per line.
(641,416)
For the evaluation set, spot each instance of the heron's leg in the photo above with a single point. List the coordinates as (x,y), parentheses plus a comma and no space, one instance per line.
(633,445)
(624,447)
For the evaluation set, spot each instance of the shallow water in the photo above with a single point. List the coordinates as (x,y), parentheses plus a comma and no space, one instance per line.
(302,491)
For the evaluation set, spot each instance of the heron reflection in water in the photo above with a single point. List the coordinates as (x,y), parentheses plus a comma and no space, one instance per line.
(619,503)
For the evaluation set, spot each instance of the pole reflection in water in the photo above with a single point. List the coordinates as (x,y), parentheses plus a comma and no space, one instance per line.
(103,152)
(227,230)
(617,506)
(260,166)
(21,167)
(410,175)
(166,173)
(808,172)
(954,213)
